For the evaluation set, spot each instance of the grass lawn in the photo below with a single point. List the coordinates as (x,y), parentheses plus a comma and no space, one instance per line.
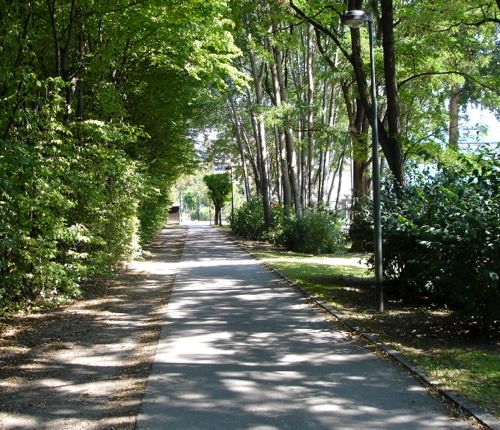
(431,338)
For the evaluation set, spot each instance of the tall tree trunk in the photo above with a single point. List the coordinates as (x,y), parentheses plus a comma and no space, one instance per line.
(251,157)
(394,147)
(280,135)
(258,152)
(289,140)
(454,106)
(239,141)
(358,128)
(323,151)
(341,170)
(310,112)
(261,142)
(51,5)
(278,179)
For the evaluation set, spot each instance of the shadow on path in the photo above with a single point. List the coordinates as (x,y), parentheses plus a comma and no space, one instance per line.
(240,350)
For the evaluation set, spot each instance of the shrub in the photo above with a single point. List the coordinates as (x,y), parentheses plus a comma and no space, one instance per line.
(105,186)
(249,220)
(442,236)
(276,234)
(317,232)
(68,207)
(155,202)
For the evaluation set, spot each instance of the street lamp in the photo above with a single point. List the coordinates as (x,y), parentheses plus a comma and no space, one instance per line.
(355,19)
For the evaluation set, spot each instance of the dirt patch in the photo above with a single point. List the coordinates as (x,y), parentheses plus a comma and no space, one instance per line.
(85,365)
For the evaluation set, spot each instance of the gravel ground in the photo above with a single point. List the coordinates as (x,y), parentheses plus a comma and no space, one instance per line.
(85,365)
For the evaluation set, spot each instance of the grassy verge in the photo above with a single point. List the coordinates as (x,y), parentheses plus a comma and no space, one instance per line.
(431,338)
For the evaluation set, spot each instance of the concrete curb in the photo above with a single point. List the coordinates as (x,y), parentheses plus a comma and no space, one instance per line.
(484,418)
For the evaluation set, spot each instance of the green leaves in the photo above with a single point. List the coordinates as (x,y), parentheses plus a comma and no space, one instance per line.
(99,100)
(219,188)
(442,236)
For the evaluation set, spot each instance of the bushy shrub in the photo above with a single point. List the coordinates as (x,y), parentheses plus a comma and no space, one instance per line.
(317,232)
(276,234)
(249,220)
(39,256)
(154,204)
(442,236)
(105,187)
(68,206)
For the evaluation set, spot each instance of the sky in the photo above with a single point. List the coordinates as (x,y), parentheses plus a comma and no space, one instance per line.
(483,118)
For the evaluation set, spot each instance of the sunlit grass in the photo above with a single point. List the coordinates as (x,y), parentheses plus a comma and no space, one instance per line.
(475,373)
(427,336)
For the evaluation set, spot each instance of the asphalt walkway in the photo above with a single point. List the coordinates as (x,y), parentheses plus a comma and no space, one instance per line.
(241,350)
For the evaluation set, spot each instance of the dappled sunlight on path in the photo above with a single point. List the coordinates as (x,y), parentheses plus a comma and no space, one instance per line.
(240,350)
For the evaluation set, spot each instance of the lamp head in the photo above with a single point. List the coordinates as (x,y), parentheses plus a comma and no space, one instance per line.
(356,18)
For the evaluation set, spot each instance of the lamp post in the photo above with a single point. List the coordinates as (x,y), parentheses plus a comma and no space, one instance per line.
(355,19)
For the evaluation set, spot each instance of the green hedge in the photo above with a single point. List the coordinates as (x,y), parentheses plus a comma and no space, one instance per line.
(71,199)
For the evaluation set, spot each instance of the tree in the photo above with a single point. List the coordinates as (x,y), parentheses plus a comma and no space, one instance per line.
(101,102)
(285,122)
(389,136)
(219,190)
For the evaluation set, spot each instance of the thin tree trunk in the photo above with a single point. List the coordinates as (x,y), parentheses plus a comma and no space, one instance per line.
(289,140)
(341,170)
(285,175)
(252,158)
(239,141)
(454,107)
(55,36)
(332,183)
(322,151)
(279,174)
(310,112)
(261,142)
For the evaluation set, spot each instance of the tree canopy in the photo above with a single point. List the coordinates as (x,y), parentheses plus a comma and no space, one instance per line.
(102,104)
(219,190)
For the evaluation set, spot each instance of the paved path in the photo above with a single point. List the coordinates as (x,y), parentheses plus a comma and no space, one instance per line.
(240,350)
